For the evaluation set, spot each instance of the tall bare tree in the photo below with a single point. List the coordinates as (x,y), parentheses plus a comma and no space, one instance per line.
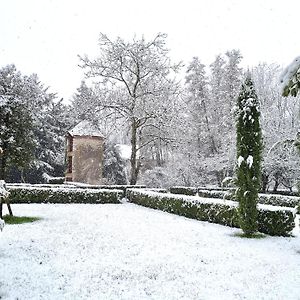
(139,82)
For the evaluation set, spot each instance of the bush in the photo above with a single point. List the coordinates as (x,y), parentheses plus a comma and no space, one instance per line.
(62,195)
(269,199)
(56,180)
(182,190)
(272,221)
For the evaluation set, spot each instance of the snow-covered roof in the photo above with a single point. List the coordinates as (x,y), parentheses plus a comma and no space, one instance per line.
(85,128)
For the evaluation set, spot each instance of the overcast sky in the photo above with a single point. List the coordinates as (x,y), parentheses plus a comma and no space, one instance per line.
(45,36)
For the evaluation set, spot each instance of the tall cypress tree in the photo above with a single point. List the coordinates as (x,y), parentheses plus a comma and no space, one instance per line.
(249,148)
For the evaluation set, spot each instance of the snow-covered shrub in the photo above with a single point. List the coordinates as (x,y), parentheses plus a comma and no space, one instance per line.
(211,210)
(109,187)
(271,220)
(182,190)
(63,195)
(268,199)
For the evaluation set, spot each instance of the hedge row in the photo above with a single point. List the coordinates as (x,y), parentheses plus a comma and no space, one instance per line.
(271,220)
(62,195)
(183,190)
(75,185)
(107,187)
(268,199)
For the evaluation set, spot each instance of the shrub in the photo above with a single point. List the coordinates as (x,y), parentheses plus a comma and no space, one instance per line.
(269,199)
(107,187)
(182,190)
(273,221)
(62,195)
(248,148)
(56,180)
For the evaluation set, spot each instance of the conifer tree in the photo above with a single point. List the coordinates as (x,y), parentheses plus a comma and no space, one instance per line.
(249,148)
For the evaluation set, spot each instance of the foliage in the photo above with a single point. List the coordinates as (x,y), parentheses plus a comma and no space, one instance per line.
(113,165)
(19,219)
(33,128)
(249,147)
(63,195)
(272,221)
(16,138)
(182,190)
(268,199)
(290,78)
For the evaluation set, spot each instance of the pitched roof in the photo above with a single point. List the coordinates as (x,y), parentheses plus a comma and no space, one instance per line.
(85,128)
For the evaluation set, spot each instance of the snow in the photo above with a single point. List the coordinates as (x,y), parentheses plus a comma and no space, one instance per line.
(130,252)
(240,160)
(85,128)
(124,150)
(289,72)
(249,161)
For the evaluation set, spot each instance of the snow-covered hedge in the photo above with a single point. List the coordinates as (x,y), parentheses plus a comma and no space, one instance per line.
(56,180)
(269,199)
(271,220)
(26,194)
(107,187)
(183,190)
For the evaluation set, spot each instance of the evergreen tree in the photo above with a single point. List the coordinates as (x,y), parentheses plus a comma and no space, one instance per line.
(249,148)
(16,138)
(113,165)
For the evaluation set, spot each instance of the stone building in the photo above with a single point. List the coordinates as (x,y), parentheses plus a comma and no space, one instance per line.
(84,154)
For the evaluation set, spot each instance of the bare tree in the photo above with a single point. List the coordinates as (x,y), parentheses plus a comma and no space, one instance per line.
(139,81)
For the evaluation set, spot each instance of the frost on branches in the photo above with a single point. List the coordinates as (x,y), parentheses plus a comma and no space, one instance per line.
(290,78)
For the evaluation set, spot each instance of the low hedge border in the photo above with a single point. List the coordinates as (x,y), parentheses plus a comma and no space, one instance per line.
(63,195)
(268,199)
(183,190)
(271,220)
(107,187)
(75,185)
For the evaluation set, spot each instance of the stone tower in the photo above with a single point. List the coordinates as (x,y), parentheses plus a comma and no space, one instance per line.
(84,154)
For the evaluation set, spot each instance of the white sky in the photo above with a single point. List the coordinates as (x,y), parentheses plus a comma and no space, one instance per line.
(45,36)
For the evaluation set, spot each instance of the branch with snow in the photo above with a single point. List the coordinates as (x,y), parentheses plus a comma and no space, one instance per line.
(290,78)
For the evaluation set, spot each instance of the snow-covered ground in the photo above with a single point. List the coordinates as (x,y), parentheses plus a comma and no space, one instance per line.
(130,252)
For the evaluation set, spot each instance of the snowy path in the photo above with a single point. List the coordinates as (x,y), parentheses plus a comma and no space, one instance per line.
(130,252)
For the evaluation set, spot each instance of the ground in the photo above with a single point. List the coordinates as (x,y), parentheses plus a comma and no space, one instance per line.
(129,252)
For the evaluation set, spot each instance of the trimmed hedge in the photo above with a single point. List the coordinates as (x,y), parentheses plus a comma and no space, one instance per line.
(75,185)
(62,195)
(268,199)
(183,190)
(107,187)
(272,221)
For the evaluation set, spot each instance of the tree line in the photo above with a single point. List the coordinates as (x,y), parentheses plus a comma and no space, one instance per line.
(179,120)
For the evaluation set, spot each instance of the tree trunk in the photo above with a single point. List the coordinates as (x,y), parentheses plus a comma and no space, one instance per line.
(133,159)
(3,167)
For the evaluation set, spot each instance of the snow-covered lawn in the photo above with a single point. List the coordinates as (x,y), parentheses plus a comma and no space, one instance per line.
(130,252)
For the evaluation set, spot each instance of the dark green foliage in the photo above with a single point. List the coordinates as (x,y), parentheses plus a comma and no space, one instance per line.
(123,188)
(270,221)
(249,148)
(182,190)
(19,219)
(16,139)
(269,199)
(56,180)
(113,165)
(276,222)
(214,212)
(63,195)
